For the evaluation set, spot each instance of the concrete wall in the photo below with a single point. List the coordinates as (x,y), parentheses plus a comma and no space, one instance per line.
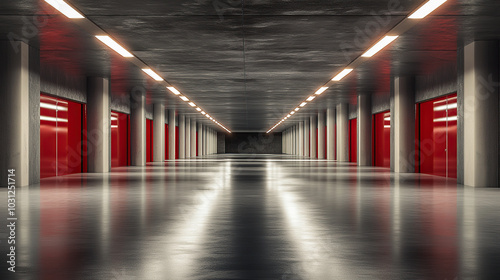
(61,84)
(254,143)
(221,143)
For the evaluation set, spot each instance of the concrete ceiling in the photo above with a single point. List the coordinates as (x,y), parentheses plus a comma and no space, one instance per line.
(247,63)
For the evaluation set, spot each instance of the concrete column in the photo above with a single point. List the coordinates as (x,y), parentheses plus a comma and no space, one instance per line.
(19,113)
(301,139)
(193,138)
(283,143)
(187,142)
(403,119)
(314,147)
(321,135)
(171,134)
(137,128)
(200,139)
(289,140)
(158,132)
(364,136)
(209,141)
(213,142)
(98,125)
(182,136)
(295,140)
(205,129)
(307,149)
(330,133)
(481,114)
(343,132)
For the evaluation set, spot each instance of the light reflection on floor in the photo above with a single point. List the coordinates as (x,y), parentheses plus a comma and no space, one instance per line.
(254,217)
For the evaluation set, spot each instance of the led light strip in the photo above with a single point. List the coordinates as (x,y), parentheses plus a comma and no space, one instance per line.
(420,13)
(72,13)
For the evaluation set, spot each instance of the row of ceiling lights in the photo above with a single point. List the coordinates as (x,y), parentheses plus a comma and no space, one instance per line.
(420,13)
(71,13)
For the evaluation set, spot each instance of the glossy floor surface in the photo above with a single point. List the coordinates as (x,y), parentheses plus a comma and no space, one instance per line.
(249,217)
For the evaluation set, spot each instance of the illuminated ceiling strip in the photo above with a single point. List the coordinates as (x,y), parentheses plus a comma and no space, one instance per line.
(174,90)
(426,9)
(342,74)
(114,46)
(321,90)
(65,9)
(153,74)
(379,46)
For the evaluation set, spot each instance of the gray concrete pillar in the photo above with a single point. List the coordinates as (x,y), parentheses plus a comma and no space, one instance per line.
(204,143)
(187,143)
(481,114)
(295,140)
(200,139)
(171,134)
(403,119)
(330,133)
(307,149)
(343,132)
(182,136)
(137,128)
(283,143)
(301,138)
(158,132)
(19,114)
(209,151)
(321,135)
(290,148)
(314,147)
(193,138)
(364,133)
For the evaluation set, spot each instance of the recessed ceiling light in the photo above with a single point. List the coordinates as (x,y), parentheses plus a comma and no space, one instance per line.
(64,8)
(292,112)
(288,115)
(114,46)
(183,98)
(192,104)
(174,90)
(379,46)
(321,90)
(153,74)
(311,98)
(303,104)
(198,109)
(203,112)
(426,9)
(296,109)
(342,74)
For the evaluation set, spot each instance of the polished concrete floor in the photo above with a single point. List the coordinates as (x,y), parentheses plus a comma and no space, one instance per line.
(254,217)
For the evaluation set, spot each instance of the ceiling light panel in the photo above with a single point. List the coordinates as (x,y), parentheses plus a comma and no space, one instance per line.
(379,46)
(342,74)
(153,74)
(65,9)
(426,9)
